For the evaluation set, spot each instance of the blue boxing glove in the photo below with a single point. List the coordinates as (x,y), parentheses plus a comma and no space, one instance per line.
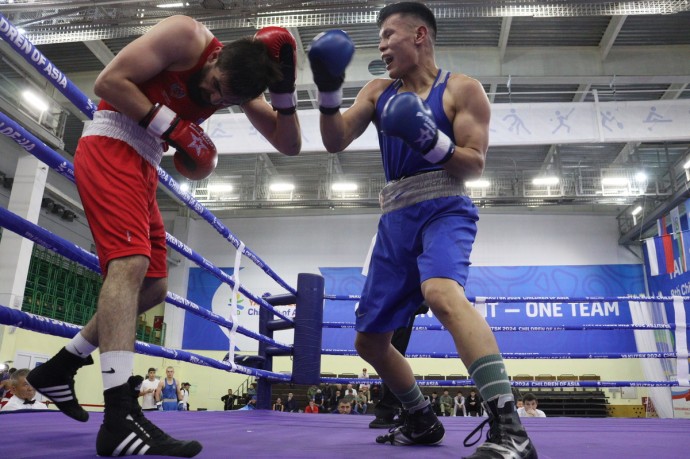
(329,54)
(408,117)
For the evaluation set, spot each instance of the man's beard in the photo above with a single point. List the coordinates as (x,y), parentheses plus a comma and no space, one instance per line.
(194,90)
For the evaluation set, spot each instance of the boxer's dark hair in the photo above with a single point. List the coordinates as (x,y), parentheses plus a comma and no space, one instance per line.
(418,10)
(249,68)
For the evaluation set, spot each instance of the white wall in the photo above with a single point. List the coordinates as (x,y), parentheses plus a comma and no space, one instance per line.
(290,245)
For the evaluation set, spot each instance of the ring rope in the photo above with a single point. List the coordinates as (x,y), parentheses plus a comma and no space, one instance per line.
(35,58)
(27,321)
(531,328)
(533,355)
(75,253)
(552,299)
(186,251)
(66,169)
(469,382)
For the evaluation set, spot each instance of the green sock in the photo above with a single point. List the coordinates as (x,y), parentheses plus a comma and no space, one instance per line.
(490,376)
(412,399)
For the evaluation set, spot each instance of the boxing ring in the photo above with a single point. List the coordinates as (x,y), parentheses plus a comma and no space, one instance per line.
(263,433)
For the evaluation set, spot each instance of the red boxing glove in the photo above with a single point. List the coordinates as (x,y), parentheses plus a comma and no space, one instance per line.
(283,49)
(196,156)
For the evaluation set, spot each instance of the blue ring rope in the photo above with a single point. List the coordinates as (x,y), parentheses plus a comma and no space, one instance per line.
(532,328)
(470,383)
(530,355)
(17,318)
(66,169)
(551,299)
(75,253)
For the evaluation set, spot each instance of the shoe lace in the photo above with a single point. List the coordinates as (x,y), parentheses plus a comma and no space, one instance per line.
(477,430)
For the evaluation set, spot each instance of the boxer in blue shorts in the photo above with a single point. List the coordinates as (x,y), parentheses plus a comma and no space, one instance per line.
(433,132)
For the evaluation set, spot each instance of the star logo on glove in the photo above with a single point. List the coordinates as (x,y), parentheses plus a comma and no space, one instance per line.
(197,144)
(425,135)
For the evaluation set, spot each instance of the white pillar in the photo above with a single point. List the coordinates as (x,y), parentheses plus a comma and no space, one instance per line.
(178,279)
(15,251)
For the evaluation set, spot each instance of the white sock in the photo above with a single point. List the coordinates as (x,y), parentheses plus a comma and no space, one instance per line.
(116,368)
(80,347)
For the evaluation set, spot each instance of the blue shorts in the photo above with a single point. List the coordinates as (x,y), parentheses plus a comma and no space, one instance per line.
(430,239)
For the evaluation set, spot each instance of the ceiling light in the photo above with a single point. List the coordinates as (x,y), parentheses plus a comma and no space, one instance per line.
(184,187)
(172,5)
(687,165)
(636,210)
(615,181)
(478,184)
(344,186)
(281,187)
(35,100)
(640,177)
(545,181)
(220,187)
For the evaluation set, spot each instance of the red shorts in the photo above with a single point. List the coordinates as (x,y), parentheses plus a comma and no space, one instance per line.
(118,190)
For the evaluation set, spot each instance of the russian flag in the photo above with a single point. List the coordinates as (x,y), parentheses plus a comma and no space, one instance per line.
(660,254)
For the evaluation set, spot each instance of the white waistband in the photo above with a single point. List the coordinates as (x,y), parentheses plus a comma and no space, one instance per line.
(417,188)
(115,125)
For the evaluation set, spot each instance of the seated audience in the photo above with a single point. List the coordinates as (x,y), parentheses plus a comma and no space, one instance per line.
(291,404)
(529,410)
(24,397)
(344,407)
(229,400)
(278,405)
(311,408)
(446,403)
(459,405)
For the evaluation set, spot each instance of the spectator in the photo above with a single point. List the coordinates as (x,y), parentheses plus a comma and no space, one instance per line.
(291,404)
(168,392)
(6,386)
(229,400)
(529,410)
(364,375)
(335,398)
(311,392)
(473,404)
(446,403)
(24,394)
(319,400)
(362,402)
(435,403)
(148,391)
(327,395)
(278,405)
(459,408)
(350,393)
(184,402)
(251,392)
(344,407)
(251,404)
(311,408)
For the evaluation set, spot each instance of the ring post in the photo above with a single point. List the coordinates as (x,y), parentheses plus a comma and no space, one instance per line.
(306,363)
(263,390)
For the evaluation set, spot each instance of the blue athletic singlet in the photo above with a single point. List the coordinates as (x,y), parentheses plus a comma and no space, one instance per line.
(169,395)
(399,160)
(428,236)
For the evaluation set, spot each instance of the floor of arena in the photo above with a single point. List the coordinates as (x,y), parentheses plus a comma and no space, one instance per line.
(267,434)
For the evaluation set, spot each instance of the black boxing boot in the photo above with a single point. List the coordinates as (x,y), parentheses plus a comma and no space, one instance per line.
(506,437)
(126,432)
(55,379)
(420,427)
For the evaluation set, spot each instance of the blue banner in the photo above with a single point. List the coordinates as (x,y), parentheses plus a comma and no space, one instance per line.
(516,281)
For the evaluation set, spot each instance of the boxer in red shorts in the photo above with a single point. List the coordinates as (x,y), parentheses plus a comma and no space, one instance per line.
(154,94)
